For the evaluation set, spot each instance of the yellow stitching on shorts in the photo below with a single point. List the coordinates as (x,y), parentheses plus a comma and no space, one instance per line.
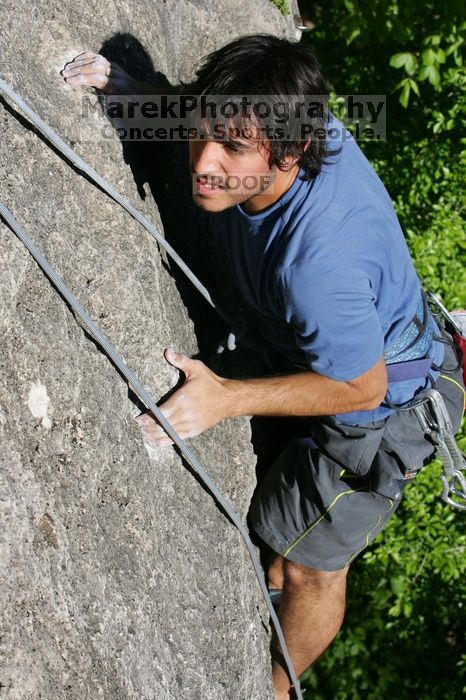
(453,381)
(321,517)
(392,503)
(352,557)
(347,475)
(371,531)
(444,376)
(367,542)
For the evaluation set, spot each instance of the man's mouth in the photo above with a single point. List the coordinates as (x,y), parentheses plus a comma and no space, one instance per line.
(207,185)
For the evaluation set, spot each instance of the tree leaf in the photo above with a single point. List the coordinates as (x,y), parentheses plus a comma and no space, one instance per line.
(404,96)
(428,57)
(414,86)
(430,73)
(398,60)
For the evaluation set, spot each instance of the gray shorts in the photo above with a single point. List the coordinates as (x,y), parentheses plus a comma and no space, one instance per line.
(320,506)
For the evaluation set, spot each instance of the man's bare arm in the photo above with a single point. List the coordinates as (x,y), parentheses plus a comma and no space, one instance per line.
(309,394)
(205,398)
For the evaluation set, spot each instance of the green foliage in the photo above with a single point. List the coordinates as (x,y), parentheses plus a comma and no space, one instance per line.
(426,181)
(405,628)
(417,46)
(282,6)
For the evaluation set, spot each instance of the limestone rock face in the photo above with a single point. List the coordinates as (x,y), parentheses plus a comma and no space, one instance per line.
(121,578)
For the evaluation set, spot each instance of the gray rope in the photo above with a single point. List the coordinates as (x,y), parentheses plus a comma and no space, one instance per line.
(148,401)
(81,164)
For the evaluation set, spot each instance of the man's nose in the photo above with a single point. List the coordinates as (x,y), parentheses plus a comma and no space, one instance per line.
(206,156)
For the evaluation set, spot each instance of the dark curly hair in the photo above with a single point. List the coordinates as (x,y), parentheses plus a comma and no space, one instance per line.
(262,64)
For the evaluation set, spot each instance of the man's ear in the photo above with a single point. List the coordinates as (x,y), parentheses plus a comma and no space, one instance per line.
(288,161)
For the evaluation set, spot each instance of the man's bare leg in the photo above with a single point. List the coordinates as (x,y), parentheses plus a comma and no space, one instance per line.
(311,612)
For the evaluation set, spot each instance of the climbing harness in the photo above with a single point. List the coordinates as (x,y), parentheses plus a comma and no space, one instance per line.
(416,339)
(435,421)
(429,406)
(434,417)
(455,324)
(118,361)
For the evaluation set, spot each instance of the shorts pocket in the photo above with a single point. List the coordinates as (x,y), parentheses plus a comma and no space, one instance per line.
(453,395)
(406,441)
(353,447)
(404,450)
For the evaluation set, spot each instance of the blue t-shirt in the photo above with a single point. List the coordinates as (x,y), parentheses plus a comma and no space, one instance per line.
(326,274)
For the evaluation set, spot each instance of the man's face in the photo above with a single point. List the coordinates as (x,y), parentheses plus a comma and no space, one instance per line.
(225,173)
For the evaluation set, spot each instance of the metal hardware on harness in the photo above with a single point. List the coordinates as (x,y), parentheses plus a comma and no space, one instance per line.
(445,313)
(433,416)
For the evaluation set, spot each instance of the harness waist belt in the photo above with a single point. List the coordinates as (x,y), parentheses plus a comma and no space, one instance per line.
(416,340)
(412,369)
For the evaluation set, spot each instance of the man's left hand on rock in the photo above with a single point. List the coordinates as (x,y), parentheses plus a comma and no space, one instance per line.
(201,402)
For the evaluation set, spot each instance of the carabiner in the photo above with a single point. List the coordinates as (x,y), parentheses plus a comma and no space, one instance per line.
(449,487)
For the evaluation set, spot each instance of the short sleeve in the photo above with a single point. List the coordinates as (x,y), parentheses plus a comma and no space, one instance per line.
(333,315)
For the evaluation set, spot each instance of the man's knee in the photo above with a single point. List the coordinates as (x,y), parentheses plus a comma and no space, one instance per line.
(300,576)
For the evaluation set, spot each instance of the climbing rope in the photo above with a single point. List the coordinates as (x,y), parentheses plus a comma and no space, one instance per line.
(118,361)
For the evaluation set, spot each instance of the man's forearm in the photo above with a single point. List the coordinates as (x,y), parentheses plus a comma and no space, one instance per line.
(307,394)
(205,398)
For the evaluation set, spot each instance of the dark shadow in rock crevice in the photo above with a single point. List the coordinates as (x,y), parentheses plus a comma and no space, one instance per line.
(161,169)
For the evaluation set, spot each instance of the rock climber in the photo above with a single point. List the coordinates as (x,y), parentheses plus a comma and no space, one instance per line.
(324,272)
